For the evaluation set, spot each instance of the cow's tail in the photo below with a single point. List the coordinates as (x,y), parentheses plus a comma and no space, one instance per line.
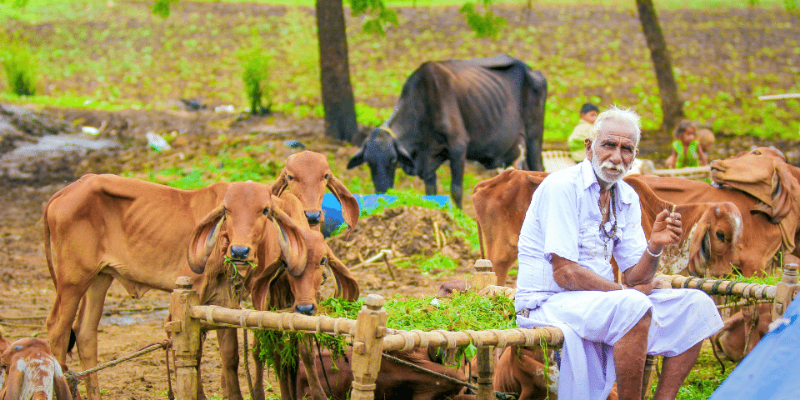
(480,241)
(48,251)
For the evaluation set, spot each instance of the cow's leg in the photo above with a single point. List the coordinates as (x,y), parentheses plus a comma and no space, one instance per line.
(258,372)
(59,321)
(229,352)
(306,351)
(458,159)
(85,327)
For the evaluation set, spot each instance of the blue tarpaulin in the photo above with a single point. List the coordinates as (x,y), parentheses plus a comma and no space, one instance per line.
(333,210)
(770,371)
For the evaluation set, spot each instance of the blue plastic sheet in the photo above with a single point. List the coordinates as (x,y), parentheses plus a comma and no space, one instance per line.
(333,210)
(770,370)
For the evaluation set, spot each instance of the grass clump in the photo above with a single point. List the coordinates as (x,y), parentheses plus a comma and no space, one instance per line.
(464,311)
(20,66)
(256,75)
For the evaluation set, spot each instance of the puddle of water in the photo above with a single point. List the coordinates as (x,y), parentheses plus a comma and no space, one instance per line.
(127,319)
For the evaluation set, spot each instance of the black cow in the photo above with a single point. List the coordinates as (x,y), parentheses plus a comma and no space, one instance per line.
(489,110)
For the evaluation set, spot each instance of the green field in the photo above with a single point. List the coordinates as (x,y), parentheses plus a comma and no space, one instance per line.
(723,58)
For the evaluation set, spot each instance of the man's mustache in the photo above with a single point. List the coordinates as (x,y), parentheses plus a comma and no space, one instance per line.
(611,165)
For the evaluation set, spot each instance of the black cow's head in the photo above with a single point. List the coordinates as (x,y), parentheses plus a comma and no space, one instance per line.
(381,151)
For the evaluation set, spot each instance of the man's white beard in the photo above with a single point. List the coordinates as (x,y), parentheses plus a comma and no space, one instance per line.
(601,173)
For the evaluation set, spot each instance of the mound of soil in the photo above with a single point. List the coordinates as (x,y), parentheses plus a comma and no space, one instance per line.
(406,231)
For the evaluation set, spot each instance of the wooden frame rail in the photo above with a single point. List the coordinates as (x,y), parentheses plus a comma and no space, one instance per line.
(370,336)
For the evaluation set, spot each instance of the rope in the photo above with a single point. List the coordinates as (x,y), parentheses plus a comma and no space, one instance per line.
(72,377)
(247,364)
(498,395)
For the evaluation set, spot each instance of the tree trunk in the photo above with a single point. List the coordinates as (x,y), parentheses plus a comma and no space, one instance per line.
(671,104)
(337,93)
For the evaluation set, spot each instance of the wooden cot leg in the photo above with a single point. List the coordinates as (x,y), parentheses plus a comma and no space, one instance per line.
(650,363)
(368,347)
(485,373)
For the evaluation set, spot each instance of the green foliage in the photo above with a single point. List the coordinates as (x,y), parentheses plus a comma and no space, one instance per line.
(464,311)
(487,24)
(379,15)
(21,67)
(162,7)
(255,75)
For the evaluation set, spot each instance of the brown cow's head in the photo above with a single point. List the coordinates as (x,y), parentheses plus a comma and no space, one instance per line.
(241,224)
(31,366)
(763,174)
(306,175)
(714,238)
(280,286)
(743,331)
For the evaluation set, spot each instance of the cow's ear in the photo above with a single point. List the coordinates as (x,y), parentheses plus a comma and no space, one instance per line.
(264,285)
(406,162)
(697,259)
(349,204)
(357,159)
(61,388)
(12,385)
(346,285)
(784,187)
(204,238)
(280,184)
(292,242)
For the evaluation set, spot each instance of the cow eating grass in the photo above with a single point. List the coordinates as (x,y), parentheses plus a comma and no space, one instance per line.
(485,110)
(145,235)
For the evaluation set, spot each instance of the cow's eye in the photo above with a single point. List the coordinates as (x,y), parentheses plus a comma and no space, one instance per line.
(266,211)
(324,261)
(721,236)
(289,177)
(756,152)
(327,176)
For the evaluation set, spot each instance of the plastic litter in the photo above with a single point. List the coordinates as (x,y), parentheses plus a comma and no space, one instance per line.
(226,108)
(90,130)
(157,142)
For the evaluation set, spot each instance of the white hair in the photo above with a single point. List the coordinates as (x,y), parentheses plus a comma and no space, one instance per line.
(627,116)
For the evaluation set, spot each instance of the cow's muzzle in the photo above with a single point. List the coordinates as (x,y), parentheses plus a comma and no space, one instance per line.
(240,253)
(307,309)
(313,217)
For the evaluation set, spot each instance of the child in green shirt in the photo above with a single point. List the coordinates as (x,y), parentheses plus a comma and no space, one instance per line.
(686,150)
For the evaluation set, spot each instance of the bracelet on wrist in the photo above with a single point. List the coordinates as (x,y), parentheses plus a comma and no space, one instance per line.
(654,255)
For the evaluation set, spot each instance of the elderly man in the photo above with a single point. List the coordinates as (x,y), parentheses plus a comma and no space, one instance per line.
(577,220)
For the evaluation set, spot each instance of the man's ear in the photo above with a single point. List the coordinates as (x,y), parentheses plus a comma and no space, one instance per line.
(587,143)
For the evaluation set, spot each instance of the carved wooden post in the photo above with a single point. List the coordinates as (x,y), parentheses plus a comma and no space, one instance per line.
(483,275)
(486,373)
(185,338)
(368,347)
(786,288)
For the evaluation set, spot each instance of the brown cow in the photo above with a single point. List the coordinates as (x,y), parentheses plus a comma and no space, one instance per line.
(275,288)
(743,331)
(33,372)
(501,203)
(306,175)
(105,227)
(395,381)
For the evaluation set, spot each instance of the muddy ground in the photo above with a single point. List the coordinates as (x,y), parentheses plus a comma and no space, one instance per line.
(26,291)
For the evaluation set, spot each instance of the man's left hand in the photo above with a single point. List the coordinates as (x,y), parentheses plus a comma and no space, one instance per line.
(667,229)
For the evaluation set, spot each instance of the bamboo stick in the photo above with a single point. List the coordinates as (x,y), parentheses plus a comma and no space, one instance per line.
(722,286)
(251,319)
(406,340)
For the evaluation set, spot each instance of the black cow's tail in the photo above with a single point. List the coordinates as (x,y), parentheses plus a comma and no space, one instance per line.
(72,340)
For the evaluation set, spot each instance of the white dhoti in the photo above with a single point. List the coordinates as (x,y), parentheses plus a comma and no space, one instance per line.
(593,321)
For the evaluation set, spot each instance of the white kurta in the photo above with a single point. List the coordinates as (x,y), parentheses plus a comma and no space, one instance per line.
(564,219)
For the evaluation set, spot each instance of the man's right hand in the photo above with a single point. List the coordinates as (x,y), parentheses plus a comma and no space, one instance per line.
(667,229)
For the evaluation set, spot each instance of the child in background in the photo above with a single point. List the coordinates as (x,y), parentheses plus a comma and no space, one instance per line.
(686,150)
(577,150)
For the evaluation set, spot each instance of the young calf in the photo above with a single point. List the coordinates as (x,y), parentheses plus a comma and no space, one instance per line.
(33,372)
